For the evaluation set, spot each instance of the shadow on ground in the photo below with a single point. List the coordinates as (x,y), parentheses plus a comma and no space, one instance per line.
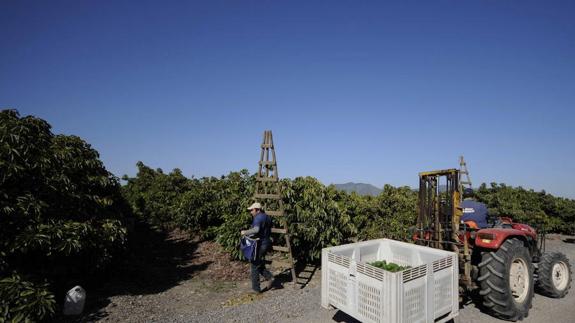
(473,298)
(154,261)
(304,274)
(342,317)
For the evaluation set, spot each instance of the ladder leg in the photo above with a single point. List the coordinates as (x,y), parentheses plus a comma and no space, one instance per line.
(293,273)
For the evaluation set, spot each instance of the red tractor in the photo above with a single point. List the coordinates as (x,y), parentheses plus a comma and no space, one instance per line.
(505,262)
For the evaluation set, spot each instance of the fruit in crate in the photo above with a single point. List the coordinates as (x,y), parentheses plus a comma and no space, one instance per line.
(393,267)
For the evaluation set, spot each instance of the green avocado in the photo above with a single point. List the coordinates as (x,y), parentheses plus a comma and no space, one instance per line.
(393,267)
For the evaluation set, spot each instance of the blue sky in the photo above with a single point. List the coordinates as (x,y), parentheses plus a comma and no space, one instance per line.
(362,91)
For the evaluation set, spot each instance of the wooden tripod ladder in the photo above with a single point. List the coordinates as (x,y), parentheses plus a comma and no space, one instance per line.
(463,171)
(268,193)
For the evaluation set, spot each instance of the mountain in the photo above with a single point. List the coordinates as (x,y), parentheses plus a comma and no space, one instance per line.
(359,188)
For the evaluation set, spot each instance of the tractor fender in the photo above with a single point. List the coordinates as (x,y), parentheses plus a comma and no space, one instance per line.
(493,238)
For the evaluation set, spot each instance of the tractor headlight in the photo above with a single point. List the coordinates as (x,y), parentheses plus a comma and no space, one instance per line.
(486,237)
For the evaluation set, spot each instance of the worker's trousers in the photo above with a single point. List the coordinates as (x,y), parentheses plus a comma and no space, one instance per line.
(258,267)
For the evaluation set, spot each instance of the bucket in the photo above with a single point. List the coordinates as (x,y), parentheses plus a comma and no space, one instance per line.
(75,300)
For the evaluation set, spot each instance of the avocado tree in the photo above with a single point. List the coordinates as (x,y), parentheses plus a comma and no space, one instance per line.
(156,197)
(60,217)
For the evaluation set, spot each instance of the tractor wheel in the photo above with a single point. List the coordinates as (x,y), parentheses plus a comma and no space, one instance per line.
(554,272)
(506,280)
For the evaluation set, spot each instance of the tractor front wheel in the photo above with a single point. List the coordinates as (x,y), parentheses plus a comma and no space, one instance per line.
(554,275)
(506,280)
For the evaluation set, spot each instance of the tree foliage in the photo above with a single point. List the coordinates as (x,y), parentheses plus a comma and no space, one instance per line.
(156,196)
(237,197)
(60,215)
(318,215)
(536,208)
(389,215)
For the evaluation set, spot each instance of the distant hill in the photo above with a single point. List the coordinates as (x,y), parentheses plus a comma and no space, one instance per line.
(359,188)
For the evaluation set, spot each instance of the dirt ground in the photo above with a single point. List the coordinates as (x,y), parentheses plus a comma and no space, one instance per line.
(165,273)
(180,279)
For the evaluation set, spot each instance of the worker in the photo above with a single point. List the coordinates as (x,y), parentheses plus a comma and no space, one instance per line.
(261,229)
(474,213)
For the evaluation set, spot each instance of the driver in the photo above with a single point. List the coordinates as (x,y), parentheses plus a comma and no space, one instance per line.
(474,213)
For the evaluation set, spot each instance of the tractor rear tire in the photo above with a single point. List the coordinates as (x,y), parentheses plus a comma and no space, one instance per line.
(554,275)
(506,280)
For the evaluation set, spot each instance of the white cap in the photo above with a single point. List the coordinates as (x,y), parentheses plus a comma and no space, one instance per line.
(255,206)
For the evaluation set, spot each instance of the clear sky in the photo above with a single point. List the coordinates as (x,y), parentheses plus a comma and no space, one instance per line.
(363,91)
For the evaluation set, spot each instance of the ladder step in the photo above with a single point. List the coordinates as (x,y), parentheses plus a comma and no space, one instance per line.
(280,248)
(267,196)
(278,230)
(267,179)
(267,146)
(267,162)
(275,213)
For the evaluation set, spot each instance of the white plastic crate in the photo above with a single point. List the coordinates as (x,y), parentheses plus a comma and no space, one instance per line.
(426,292)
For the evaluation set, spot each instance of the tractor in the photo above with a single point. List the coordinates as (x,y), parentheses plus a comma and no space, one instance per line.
(503,263)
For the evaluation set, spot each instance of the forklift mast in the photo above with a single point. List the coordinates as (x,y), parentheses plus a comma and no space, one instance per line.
(439,208)
(439,216)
